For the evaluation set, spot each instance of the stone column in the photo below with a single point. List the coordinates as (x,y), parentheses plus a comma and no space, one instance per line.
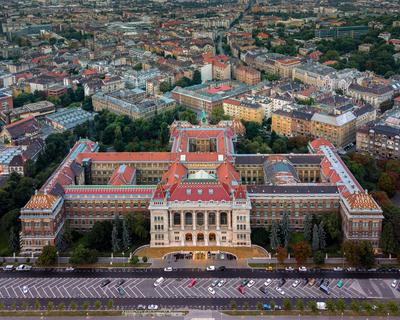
(230,220)
(218,220)
(171,219)
(182,221)
(194,238)
(194,220)
(206,238)
(206,220)
(217,238)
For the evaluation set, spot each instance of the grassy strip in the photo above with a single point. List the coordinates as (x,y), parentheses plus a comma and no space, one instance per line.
(303,313)
(67,313)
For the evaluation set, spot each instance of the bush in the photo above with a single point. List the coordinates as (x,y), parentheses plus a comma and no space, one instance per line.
(85,305)
(233,305)
(355,306)
(110,304)
(134,260)
(61,307)
(393,307)
(340,305)
(37,304)
(97,305)
(144,259)
(300,305)
(312,305)
(287,305)
(83,255)
(48,256)
(73,306)
(50,305)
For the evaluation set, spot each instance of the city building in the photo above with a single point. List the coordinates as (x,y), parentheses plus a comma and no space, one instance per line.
(6,103)
(341,32)
(244,110)
(201,193)
(132,103)
(372,93)
(248,75)
(68,118)
(209,95)
(21,131)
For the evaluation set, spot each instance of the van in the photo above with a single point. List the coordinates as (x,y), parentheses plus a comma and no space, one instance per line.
(266,306)
(159,281)
(321,305)
(8,267)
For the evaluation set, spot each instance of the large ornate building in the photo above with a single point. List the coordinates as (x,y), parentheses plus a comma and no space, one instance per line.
(201,193)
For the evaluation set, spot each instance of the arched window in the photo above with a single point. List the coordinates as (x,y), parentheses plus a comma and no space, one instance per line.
(200,237)
(177,218)
(223,218)
(211,218)
(188,218)
(188,237)
(211,237)
(200,218)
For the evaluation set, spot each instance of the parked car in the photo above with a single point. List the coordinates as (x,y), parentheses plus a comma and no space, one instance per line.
(295,283)
(241,289)
(214,283)
(251,283)
(192,283)
(311,282)
(168,269)
(267,282)
(321,305)
(269,268)
(120,282)
(266,306)
(210,268)
(264,289)
(340,283)
(121,292)
(280,290)
(394,283)
(337,269)
(23,267)
(211,290)
(104,283)
(25,289)
(69,269)
(221,283)
(244,282)
(302,268)
(282,282)
(152,307)
(221,268)
(289,269)
(8,267)
(141,307)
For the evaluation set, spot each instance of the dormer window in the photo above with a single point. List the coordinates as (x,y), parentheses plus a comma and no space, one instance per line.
(188,192)
(210,191)
(200,192)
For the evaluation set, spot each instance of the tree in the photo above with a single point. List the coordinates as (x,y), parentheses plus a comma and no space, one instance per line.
(73,305)
(13,240)
(233,305)
(308,227)
(260,236)
(388,241)
(114,239)
(48,256)
(340,305)
(355,307)
(279,146)
(359,254)
(330,305)
(322,236)
(37,305)
(196,77)
(285,228)
(274,236)
(367,307)
(164,133)
(315,240)
(110,304)
(85,305)
(287,305)
(99,237)
(138,67)
(302,251)
(331,223)
(319,257)
(83,255)
(386,183)
(393,307)
(350,251)
(50,306)
(300,305)
(126,238)
(218,114)
(61,307)
(97,305)
(366,252)
(312,305)
(281,254)
(165,87)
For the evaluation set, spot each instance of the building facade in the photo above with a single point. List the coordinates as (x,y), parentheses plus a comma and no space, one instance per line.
(201,193)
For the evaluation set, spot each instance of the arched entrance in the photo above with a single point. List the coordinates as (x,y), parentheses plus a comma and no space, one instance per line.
(188,237)
(200,237)
(212,237)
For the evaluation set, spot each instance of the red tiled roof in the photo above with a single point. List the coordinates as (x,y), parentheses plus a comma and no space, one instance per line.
(125,157)
(200,192)
(123,175)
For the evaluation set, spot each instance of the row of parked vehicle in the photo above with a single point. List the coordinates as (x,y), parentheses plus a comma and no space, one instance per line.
(21,267)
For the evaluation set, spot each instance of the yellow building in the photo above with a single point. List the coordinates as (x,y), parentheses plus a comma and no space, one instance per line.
(244,110)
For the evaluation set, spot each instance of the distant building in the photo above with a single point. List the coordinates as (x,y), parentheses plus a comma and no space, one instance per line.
(20,132)
(341,32)
(248,75)
(209,95)
(68,118)
(36,109)
(132,103)
(6,103)
(371,93)
(313,74)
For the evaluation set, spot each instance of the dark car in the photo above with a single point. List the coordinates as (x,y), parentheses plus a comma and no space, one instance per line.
(120,282)
(264,289)
(320,282)
(121,292)
(221,268)
(282,282)
(104,283)
(305,282)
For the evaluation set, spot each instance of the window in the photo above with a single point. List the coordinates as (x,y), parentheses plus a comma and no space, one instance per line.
(177,218)
(188,218)
(223,218)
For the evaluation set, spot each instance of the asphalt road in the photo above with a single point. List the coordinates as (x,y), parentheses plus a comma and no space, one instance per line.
(197,273)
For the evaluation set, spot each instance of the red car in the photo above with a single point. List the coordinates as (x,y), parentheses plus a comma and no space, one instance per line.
(192,283)
(241,289)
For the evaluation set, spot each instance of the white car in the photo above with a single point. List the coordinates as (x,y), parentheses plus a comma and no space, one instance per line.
(8,267)
(296,283)
(337,269)
(211,290)
(168,269)
(210,268)
(69,269)
(302,268)
(321,305)
(251,283)
(25,289)
(221,283)
(23,267)
(280,290)
(289,269)
(152,307)
(394,283)
(268,282)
